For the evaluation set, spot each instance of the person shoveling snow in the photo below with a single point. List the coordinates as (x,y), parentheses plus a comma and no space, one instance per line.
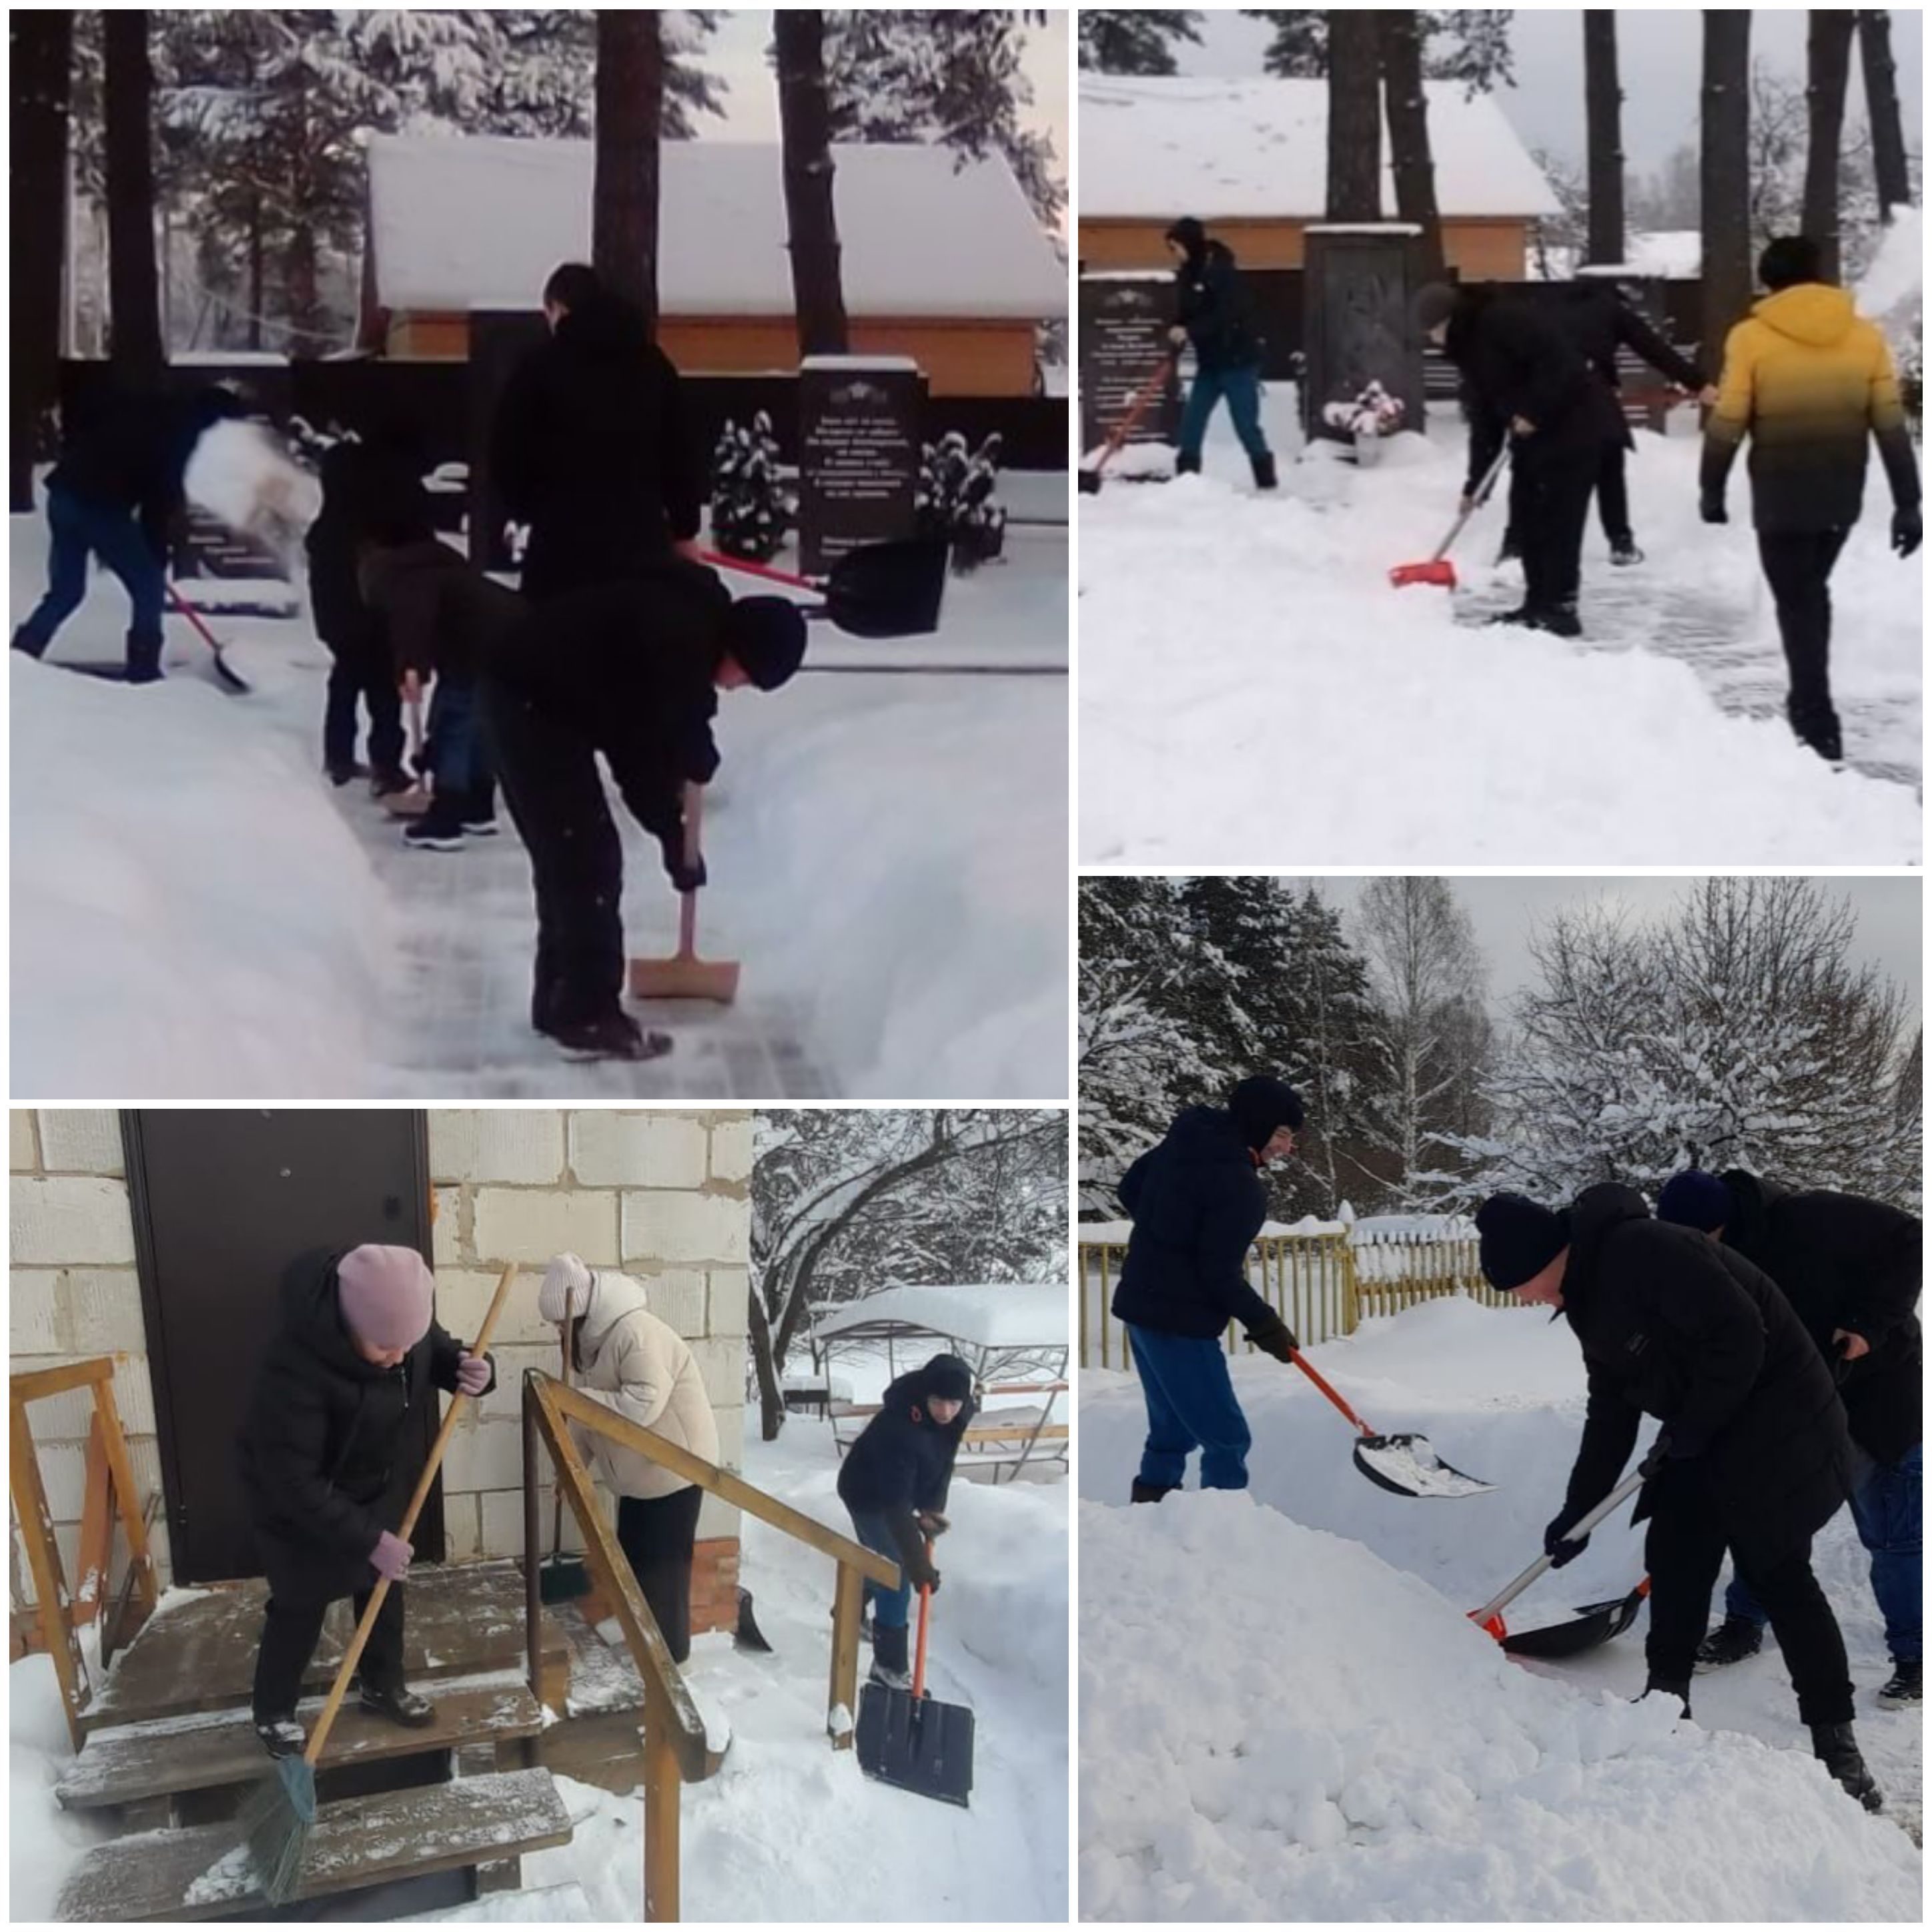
(1756,1454)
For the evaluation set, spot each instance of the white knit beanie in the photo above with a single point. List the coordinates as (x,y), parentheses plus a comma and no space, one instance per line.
(566,1289)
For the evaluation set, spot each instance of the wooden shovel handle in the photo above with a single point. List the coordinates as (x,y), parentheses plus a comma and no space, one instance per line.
(352,1655)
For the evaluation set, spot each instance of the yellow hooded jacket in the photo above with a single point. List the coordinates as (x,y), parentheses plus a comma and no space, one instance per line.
(1810,381)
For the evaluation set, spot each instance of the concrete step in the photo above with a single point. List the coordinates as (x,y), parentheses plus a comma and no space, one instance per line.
(205,1872)
(166,1755)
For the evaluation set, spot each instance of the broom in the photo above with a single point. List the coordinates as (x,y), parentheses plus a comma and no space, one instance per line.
(278,1819)
(562,1578)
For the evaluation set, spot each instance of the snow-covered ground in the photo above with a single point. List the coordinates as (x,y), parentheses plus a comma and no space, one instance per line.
(788,1829)
(1286,1714)
(195,913)
(1254,691)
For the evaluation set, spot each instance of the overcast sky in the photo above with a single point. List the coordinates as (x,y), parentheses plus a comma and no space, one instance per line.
(1503,911)
(1659,55)
(738,53)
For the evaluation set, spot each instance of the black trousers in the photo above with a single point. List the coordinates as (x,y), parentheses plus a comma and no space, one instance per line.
(1798,565)
(1553,509)
(1684,1549)
(289,1634)
(363,672)
(1613,496)
(657,1533)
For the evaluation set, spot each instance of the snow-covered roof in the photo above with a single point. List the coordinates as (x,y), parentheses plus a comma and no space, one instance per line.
(464,222)
(989,1314)
(1153,149)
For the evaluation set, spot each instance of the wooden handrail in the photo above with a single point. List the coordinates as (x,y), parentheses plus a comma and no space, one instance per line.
(35,1383)
(721,1483)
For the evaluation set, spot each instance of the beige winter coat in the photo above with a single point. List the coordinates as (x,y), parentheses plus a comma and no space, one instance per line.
(641,1367)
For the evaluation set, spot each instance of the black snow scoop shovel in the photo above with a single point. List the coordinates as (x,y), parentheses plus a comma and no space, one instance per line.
(1405,1464)
(1593,1624)
(878,590)
(910,1739)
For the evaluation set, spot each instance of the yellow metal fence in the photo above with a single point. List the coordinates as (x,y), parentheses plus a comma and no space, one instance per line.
(1321,1285)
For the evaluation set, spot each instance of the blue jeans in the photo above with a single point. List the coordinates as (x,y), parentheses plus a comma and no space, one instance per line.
(890,1607)
(459,749)
(1243,389)
(1885,1499)
(80,528)
(1190,1404)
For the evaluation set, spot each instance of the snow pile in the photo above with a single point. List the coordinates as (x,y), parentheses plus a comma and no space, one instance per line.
(1333,1740)
(240,472)
(1318,713)
(44,1843)
(158,948)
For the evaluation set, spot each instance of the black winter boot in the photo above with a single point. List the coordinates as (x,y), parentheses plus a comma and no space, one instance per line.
(1663,1686)
(1817,726)
(1560,620)
(1837,1749)
(1151,1492)
(1263,466)
(889,1664)
(1623,551)
(615,1036)
(281,1737)
(1903,1693)
(1734,1640)
(1185,465)
(399,1705)
(1523,613)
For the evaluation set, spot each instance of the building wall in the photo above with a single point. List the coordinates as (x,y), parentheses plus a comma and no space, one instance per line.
(663,1196)
(960,358)
(1485,251)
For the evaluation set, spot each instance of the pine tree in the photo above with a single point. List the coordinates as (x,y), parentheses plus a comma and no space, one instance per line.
(949,75)
(956,499)
(750,512)
(1134,40)
(40,39)
(1471,46)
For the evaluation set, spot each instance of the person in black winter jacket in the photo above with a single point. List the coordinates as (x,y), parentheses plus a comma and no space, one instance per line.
(894,1480)
(1211,312)
(590,448)
(1851,1270)
(1197,1202)
(1601,323)
(628,670)
(114,495)
(359,1351)
(1525,381)
(1753,1455)
(363,480)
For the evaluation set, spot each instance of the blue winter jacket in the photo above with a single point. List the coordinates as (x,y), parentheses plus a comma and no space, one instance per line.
(1198,1203)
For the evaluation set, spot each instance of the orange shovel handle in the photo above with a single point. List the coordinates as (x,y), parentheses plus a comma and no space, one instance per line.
(925,1617)
(1301,1362)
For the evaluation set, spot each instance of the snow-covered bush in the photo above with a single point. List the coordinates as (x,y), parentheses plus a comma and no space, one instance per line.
(956,498)
(750,511)
(1374,413)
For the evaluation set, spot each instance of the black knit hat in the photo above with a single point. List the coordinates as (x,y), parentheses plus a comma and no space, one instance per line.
(1260,1105)
(1520,1239)
(1432,305)
(1696,1199)
(1189,233)
(766,635)
(947,1377)
(1788,260)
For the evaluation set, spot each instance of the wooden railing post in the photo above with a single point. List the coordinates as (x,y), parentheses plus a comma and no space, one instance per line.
(50,1596)
(663,1795)
(533,1540)
(848,1606)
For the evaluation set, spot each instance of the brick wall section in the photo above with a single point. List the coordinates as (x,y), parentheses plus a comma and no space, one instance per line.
(665,1196)
(73,1294)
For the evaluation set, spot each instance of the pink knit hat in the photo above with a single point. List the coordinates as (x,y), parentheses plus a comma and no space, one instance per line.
(387,1295)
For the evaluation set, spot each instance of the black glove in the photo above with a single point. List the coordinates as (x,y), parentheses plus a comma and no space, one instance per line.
(684,878)
(1907,531)
(1275,1338)
(1656,1456)
(1711,509)
(932,1523)
(1557,1543)
(923,1575)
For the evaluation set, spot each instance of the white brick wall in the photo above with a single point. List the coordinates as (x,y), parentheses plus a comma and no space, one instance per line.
(663,1194)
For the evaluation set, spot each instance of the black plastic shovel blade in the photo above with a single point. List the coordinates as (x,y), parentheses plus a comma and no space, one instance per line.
(889,589)
(917,1744)
(1407,1465)
(1593,1624)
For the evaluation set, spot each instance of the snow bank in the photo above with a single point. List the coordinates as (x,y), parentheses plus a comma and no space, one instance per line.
(910,862)
(1334,1740)
(44,1843)
(1304,710)
(190,915)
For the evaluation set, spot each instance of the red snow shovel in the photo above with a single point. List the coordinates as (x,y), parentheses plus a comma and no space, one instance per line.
(223,670)
(877,590)
(1405,1464)
(1437,569)
(1117,436)
(909,1738)
(1593,1624)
